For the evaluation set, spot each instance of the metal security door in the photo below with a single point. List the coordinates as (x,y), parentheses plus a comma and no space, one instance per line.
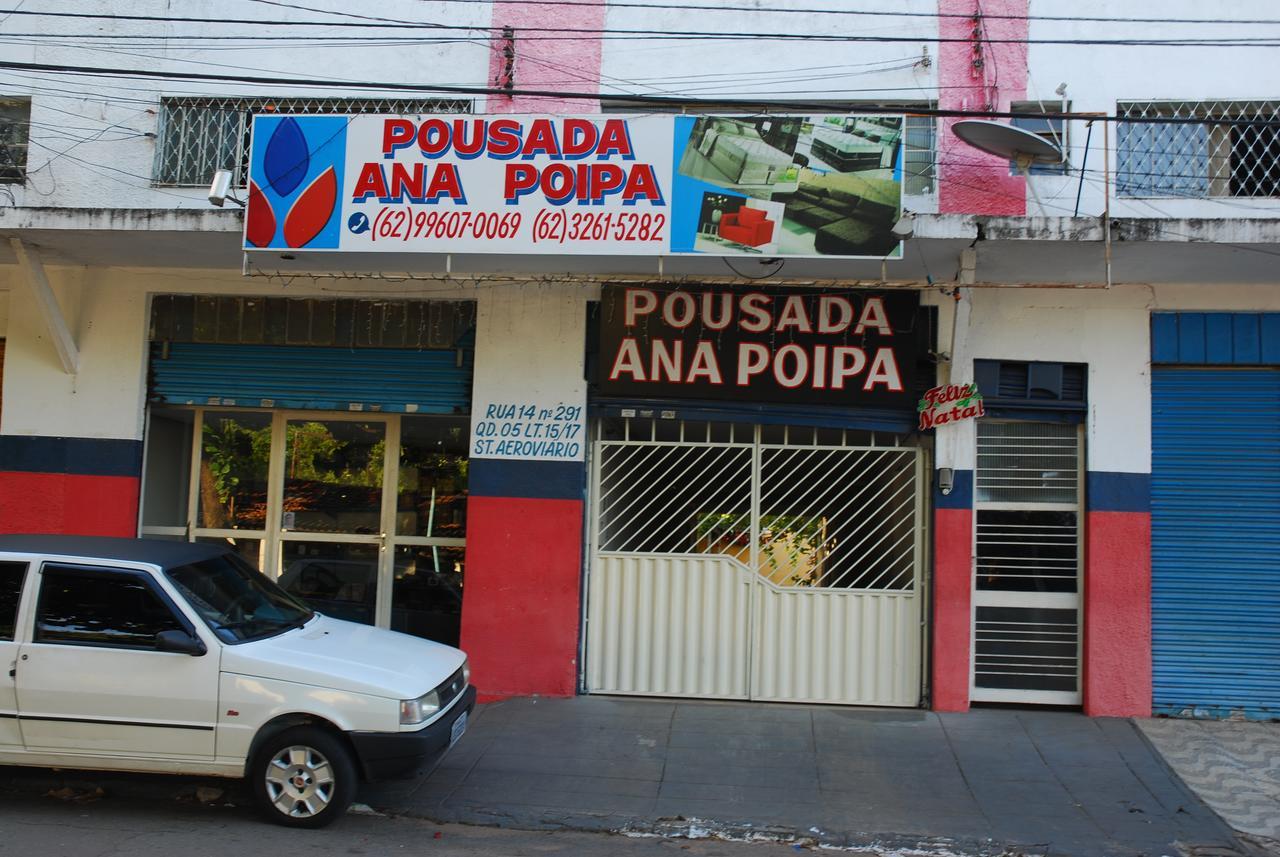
(1026,599)
(1215,542)
(748,562)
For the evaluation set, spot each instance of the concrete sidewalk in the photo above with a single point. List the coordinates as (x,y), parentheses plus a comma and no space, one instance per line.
(986,782)
(1234,766)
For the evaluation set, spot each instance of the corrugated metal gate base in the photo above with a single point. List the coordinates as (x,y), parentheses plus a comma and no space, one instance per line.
(1215,542)
(755,571)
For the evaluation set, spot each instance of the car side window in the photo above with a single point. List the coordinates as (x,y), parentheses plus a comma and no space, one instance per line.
(11,577)
(100,607)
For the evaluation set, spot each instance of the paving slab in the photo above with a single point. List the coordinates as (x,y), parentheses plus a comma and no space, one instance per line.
(987,782)
(1234,766)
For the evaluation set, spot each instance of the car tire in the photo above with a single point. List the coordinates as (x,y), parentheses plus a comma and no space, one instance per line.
(303,777)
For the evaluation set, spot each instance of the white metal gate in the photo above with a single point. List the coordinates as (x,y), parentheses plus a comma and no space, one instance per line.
(754,562)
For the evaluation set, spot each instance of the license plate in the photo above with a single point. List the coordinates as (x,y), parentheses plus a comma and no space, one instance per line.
(459,726)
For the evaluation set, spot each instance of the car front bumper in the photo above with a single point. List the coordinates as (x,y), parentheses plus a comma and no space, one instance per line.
(385,755)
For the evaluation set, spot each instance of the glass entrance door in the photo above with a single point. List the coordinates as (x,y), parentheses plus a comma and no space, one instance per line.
(362,516)
(333,514)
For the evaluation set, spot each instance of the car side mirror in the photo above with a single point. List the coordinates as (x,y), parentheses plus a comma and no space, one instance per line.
(180,642)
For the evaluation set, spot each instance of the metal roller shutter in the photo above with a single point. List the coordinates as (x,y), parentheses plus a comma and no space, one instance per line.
(306,377)
(1215,506)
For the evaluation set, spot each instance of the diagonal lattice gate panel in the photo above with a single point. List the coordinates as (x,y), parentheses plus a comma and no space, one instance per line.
(735,568)
(838,518)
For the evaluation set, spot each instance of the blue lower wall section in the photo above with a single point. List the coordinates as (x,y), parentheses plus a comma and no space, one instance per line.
(1106,491)
(537,480)
(961,496)
(84,456)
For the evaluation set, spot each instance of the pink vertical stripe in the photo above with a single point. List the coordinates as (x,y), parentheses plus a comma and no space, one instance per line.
(975,74)
(952,607)
(557,64)
(1117,614)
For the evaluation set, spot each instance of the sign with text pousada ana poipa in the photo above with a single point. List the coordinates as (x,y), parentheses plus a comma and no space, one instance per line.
(791,345)
(825,185)
(950,404)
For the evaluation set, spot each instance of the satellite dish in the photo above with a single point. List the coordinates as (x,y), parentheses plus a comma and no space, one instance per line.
(1009,141)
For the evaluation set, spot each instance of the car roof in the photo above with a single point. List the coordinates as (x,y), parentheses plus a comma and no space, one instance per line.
(164,553)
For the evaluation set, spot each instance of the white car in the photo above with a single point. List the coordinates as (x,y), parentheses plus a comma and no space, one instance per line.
(173,657)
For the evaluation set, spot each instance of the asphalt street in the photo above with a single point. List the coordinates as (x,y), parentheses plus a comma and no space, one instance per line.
(107,827)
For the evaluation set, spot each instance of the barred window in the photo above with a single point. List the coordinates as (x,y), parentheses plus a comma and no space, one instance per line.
(15,126)
(200,135)
(1233,152)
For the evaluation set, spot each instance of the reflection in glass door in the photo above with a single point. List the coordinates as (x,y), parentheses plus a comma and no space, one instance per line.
(362,516)
(333,541)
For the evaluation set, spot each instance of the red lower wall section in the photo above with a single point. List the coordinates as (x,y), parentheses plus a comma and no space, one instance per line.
(520,613)
(68,503)
(952,597)
(1117,614)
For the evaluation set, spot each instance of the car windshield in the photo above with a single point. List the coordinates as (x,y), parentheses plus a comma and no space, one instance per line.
(236,601)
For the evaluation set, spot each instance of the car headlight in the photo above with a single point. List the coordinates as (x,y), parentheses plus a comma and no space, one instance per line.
(417,710)
(466,673)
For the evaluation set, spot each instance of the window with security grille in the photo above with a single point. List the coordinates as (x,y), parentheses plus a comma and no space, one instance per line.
(1199,149)
(15,125)
(198,136)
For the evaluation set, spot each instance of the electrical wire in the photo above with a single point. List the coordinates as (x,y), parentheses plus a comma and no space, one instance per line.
(747,105)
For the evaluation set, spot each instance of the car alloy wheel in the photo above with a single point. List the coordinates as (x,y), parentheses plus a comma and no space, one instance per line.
(303,777)
(300,781)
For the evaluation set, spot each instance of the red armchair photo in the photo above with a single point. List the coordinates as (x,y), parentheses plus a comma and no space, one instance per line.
(747,226)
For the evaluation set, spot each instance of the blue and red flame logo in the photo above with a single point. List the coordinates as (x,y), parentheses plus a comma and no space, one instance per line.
(296,173)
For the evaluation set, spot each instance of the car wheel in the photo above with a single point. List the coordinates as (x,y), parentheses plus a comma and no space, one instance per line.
(303,777)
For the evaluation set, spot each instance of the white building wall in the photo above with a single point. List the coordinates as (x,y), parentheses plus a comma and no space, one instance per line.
(1107,329)
(93,138)
(528,390)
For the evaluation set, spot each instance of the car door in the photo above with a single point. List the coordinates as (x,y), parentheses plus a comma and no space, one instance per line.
(12,575)
(91,681)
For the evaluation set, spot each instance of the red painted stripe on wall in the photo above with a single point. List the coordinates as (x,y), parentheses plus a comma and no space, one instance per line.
(69,503)
(952,600)
(520,613)
(548,63)
(1117,614)
(977,73)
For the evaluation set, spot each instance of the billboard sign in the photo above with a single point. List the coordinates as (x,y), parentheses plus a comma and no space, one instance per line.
(788,345)
(771,187)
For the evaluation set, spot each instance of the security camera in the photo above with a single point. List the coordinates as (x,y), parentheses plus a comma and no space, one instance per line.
(905,227)
(220,189)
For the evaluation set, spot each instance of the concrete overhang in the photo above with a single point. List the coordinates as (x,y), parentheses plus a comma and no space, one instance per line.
(1011,251)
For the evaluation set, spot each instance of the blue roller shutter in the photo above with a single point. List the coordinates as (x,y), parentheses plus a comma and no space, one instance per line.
(394,380)
(1215,508)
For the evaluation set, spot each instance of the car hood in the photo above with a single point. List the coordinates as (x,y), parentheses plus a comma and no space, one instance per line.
(333,653)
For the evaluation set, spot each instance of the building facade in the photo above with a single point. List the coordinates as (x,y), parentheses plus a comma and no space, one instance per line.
(458,444)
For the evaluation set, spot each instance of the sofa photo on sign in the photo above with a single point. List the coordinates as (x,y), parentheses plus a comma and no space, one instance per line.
(843,214)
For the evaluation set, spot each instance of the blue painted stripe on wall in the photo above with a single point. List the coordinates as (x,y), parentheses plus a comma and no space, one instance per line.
(84,456)
(538,480)
(961,496)
(1118,492)
(1215,338)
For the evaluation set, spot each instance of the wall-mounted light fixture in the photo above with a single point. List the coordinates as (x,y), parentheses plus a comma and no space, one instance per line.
(946,479)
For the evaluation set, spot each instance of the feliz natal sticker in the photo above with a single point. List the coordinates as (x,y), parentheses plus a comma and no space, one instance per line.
(950,404)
